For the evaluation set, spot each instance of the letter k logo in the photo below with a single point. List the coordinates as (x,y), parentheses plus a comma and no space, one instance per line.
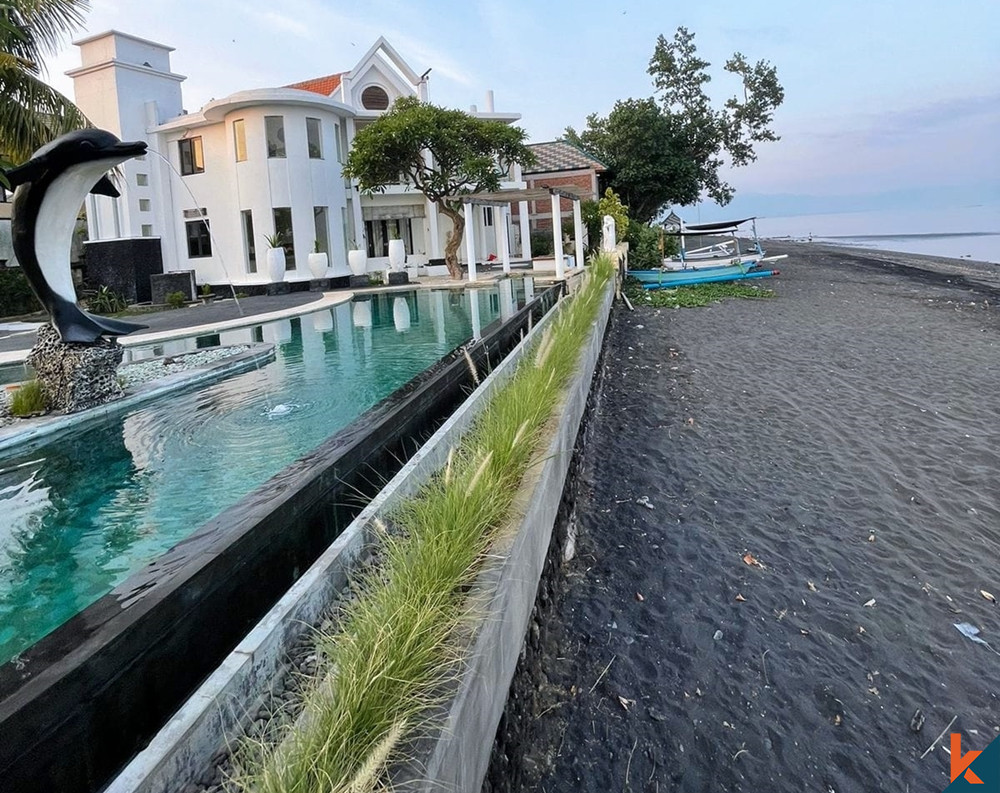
(960,763)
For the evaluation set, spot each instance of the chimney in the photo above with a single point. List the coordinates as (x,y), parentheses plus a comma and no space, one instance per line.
(489,101)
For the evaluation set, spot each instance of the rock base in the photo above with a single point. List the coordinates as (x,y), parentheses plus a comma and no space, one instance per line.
(359,282)
(397,279)
(76,376)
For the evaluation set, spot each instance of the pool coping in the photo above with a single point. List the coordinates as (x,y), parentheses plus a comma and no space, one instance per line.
(457,757)
(327,300)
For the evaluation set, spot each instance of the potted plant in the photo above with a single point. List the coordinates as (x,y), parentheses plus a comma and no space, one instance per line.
(206,294)
(358,259)
(318,261)
(275,256)
(397,252)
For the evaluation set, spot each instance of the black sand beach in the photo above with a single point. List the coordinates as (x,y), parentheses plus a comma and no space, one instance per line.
(843,438)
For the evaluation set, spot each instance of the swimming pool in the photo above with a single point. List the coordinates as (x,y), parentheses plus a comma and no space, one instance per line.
(79,515)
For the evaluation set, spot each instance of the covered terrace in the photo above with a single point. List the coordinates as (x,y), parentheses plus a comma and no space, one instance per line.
(501,202)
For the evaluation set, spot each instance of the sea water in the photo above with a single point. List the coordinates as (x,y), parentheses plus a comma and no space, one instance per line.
(960,233)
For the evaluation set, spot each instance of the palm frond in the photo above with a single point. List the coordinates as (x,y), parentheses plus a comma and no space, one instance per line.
(31,114)
(33,28)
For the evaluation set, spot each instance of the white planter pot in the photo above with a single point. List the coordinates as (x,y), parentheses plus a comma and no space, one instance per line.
(397,256)
(358,260)
(317,265)
(276,264)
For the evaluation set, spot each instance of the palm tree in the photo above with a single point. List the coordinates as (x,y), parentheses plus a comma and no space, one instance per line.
(31,112)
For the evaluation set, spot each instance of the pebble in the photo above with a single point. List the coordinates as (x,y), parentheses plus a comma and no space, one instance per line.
(718,635)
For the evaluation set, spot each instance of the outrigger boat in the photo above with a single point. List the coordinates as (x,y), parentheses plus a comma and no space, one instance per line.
(720,261)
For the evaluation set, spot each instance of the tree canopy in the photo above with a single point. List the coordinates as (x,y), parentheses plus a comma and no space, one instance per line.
(445,154)
(31,112)
(670,149)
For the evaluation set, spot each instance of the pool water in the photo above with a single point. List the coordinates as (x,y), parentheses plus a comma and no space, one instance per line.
(79,515)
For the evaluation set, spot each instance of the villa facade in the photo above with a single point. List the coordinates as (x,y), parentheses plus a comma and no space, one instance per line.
(257,163)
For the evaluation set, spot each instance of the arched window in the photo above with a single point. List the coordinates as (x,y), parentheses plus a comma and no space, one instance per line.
(374,98)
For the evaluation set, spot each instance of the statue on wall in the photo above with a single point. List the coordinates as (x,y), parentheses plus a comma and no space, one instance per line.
(608,240)
(48,192)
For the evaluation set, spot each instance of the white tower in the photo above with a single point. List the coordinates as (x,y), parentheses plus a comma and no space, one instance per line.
(125,86)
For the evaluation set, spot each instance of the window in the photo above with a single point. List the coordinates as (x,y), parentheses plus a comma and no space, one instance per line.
(487,216)
(142,179)
(251,249)
(144,205)
(147,230)
(283,226)
(336,140)
(379,232)
(314,138)
(374,98)
(321,220)
(192,156)
(274,131)
(198,239)
(240,139)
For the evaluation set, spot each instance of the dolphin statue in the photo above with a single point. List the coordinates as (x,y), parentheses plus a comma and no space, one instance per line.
(48,191)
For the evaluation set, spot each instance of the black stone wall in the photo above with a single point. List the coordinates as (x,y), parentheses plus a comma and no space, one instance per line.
(163,284)
(124,266)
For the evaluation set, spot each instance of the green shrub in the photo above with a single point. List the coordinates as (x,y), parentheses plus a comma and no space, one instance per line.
(16,296)
(176,299)
(28,399)
(648,245)
(541,243)
(107,301)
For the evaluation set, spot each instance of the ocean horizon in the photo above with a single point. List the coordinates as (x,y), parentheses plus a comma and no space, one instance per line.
(958,233)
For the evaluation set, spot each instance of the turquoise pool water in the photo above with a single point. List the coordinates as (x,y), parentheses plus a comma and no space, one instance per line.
(79,515)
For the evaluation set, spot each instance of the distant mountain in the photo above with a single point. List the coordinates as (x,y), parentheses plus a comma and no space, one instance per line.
(792,205)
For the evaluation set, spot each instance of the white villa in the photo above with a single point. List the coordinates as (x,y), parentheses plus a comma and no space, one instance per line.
(261,162)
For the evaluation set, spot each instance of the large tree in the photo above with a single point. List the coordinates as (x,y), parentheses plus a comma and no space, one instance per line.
(31,112)
(670,149)
(445,154)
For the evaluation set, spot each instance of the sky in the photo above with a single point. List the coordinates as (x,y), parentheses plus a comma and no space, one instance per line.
(888,103)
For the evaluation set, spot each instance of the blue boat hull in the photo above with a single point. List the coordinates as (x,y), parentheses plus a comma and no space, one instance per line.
(670,280)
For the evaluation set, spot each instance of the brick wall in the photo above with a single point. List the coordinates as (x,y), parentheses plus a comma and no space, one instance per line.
(540,212)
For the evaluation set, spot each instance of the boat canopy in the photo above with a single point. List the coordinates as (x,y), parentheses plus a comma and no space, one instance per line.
(725,225)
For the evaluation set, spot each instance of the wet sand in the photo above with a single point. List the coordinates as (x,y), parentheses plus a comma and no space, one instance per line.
(845,435)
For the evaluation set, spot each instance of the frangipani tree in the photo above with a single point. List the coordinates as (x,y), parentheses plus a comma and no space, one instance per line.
(445,154)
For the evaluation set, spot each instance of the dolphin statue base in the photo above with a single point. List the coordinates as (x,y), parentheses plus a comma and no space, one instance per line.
(76,376)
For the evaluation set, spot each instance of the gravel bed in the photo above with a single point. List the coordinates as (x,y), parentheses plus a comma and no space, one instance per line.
(135,374)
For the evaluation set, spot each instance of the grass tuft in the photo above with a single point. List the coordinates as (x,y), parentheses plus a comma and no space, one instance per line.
(29,399)
(396,644)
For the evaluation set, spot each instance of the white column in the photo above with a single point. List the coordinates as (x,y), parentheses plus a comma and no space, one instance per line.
(578,232)
(505,237)
(470,240)
(522,217)
(557,237)
(432,221)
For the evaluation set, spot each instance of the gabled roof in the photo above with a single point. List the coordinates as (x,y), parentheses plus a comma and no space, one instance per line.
(320,85)
(561,155)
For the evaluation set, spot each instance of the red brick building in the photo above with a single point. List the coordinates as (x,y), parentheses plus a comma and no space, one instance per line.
(560,164)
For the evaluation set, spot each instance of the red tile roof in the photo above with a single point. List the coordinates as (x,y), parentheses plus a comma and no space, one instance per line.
(320,85)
